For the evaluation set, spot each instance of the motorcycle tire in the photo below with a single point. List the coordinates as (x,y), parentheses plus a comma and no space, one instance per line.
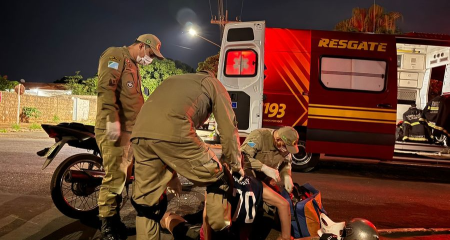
(58,191)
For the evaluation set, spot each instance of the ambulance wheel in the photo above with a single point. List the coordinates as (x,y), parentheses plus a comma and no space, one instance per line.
(304,161)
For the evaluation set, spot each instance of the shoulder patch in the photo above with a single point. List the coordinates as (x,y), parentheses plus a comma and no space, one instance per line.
(113,65)
(130,84)
(251,144)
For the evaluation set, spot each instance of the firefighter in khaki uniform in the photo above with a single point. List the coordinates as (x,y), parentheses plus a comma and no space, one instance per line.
(118,103)
(268,155)
(165,144)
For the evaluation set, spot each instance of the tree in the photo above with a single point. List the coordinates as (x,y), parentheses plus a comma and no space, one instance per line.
(364,20)
(183,66)
(154,74)
(210,64)
(7,84)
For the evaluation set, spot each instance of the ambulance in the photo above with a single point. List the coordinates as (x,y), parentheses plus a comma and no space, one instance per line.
(343,92)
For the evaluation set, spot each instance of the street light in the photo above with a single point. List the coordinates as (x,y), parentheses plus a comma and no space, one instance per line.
(192,32)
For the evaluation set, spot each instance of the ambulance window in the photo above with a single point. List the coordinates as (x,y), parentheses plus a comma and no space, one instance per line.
(353,74)
(240,63)
(240,34)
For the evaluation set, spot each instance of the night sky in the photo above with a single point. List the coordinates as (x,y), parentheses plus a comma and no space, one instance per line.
(42,41)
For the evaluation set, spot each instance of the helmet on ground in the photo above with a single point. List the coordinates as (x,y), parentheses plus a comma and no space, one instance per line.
(360,229)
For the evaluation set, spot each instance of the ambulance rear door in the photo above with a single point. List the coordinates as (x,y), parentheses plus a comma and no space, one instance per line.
(241,71)
(353,95)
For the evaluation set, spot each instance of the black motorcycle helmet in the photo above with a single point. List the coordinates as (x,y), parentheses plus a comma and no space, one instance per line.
(360,229)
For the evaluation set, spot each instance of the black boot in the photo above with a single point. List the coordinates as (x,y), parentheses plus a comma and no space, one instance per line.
(113,228)
(122,229)
(108,229)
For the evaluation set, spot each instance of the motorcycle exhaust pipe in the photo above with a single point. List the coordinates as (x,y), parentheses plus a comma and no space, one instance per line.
(84,175)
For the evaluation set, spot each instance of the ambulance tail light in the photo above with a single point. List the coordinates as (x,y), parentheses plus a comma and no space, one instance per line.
(241,63)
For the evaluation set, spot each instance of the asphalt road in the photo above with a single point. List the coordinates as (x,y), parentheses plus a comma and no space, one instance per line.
(391,196)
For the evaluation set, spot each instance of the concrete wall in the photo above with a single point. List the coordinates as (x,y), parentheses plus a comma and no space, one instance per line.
(60,106)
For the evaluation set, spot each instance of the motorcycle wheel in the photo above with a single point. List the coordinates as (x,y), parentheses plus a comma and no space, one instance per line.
(76,199)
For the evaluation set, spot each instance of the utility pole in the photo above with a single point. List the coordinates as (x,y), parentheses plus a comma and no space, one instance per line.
(222,19)
(19,89)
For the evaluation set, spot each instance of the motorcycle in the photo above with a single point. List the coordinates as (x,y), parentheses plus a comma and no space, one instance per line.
(76,182)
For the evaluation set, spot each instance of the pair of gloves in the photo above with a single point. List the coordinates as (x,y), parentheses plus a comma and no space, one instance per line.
(275,175)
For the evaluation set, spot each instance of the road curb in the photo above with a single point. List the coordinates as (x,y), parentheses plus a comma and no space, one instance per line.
(409,232)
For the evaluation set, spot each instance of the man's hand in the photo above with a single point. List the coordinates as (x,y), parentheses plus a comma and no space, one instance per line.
(271,172)
(241,172)
(288,184)
(174,186)
(113,130)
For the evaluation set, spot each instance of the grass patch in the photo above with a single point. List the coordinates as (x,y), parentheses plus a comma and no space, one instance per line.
(56,119)
(16,127)
(35,126)
(3,131)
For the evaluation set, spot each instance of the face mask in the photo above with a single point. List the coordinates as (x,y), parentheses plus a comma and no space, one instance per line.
(144,61)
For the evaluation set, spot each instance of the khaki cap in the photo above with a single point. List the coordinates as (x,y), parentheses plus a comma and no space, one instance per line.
(153,42)
(290,137)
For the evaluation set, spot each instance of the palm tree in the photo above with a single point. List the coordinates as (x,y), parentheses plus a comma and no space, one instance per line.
(373,19)
(359,19)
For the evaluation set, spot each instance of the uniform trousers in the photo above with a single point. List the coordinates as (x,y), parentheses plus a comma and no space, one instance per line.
(155,162)
(116,163)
